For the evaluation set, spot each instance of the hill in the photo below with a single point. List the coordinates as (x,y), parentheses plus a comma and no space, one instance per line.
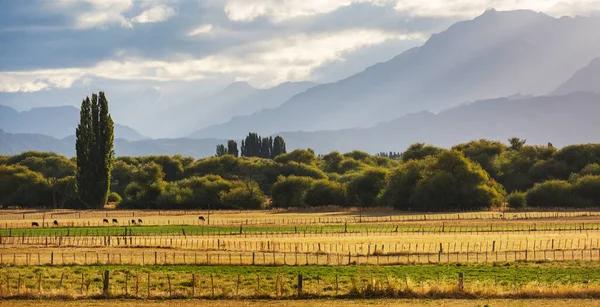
(237,99)
(497,54)
(57,122)
(561,120)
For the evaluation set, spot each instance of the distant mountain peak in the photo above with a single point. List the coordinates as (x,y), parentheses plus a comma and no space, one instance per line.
(239,85)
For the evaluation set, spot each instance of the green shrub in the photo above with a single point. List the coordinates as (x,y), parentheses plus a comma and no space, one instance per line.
(552,193)
(114,198)
(517,200)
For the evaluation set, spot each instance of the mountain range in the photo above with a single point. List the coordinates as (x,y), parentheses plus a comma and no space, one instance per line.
(502,74)
(494,55)
(57,122)
(237,99)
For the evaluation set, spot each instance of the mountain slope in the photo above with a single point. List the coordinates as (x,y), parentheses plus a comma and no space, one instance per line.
(237,99)
(561,120)
(57,122)
(14,143)
(494,55)
(586,79)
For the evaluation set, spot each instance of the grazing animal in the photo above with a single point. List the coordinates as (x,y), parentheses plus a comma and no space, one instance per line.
(35,224)
(202,218)
(55,223)
(105,221)
(133,222)
(115,221)
(139,221)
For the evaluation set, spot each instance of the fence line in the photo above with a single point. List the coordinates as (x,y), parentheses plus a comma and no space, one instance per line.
(287,259)
(142,284)
(218,244)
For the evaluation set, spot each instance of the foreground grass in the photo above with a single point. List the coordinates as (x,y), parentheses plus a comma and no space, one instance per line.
(303,303)
(576,279)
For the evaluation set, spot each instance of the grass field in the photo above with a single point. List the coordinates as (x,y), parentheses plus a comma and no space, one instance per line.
(321,302)
(526,255)
(434,281)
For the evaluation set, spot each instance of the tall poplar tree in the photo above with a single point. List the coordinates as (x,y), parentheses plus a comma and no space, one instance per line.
(278,147)
(232,148)
(94,147)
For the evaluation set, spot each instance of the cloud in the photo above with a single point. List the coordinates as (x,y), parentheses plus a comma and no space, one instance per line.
(202,29)
(96,13)
(468,8)
(156,14)
(265,62)
(278,10)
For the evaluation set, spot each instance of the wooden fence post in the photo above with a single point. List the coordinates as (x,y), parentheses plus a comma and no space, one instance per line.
(148,284)
(300,284)
(461,284)
(212,285)
(106,283)
(169,282)
(193,285)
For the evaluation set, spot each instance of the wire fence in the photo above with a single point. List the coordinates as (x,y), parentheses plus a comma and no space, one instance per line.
(139,258)
(177,284)
(325,246)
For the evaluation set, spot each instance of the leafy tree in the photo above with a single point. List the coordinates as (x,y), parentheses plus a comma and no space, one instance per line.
(516,143)
(364,189)
(358,155)
(145,188)
(551,193)
(324,193)
(485,153)
(50,167)
(587,191)
(232,148)
(22,187)
(94,147)
(121,176)
(252,145)
(221,150)
(299,155)
(419,151)
(453,182)
(289,192)
(403,182)
(517,200)
(278,147)
(171,166)
(515,166)
(244,196)
(266,148)
(330,162)
(579,156)
(114,197)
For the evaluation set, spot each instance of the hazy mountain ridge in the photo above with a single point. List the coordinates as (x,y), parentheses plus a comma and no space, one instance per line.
(586,79)
(237,99)
(561,120)
(14,143)
(494,55)
(57,122)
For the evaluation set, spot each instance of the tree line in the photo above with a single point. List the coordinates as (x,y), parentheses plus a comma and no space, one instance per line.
(474,175)
(254,146)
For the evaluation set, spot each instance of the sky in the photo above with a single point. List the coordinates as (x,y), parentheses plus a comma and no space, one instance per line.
(185,46)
